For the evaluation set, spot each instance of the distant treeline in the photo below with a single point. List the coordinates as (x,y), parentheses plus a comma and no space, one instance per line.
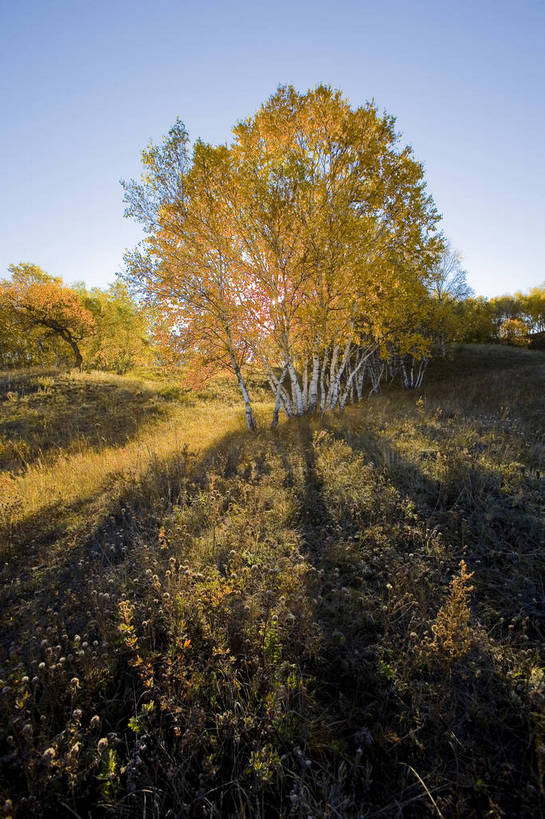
(518,319)
(44,322)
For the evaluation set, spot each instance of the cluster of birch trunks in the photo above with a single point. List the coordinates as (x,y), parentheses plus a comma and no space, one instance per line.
(334,377)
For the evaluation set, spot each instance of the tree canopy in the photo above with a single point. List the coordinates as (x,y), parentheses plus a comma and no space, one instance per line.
(306,245)
(122,330)
(43,321)
(35,300)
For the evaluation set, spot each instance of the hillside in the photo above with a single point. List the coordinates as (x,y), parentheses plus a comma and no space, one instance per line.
(343,618)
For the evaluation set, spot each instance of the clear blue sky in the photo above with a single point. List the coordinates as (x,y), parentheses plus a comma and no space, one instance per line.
(85,84)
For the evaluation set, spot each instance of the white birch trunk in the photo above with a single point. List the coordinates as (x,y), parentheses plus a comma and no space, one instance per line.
(411,379)
(404,376)
(376,371)
(313,388)
(322,380)
(332,375)
(335,387)
(305,385)
(421,370)
(250,420)
(285,402)
(359,383)
(354,372)
(278,401)
(296,389)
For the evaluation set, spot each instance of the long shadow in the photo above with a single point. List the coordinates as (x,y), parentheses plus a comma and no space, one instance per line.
(25,382)
(355,701)
(482,523)
(502,541)
(49,553)
(350,688)
(41,416)
(49,584)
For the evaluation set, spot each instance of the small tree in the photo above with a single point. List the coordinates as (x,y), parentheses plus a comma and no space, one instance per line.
(37,301)
(449,279)
(504,308)
(514,331)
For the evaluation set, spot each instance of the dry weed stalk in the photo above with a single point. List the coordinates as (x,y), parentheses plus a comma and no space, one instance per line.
(452,630)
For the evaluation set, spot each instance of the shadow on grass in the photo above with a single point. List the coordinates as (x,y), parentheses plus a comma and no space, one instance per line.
(464,725)
(480,359)
(500,535)
(49,415)
(47,554)
(378,709)
(24,382)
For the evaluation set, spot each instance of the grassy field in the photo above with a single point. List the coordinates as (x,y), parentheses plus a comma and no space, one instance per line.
(343,618)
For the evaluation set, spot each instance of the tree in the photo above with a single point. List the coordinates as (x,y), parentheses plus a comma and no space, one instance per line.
(514,331)
(188,270)
(21,349)
(37,301)
(336,229)
(121,339)
(448,287)
(533,308)
(504,308)
(449,279)
(298,246)
(475,321)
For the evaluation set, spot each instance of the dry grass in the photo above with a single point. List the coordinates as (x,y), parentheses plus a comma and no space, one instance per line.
(84,433)
(341,619)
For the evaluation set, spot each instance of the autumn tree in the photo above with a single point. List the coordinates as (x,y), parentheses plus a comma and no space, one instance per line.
(338,237)
(510,319)
(188,267)
(475,321)
(504,308)
(22,349)
(513,319)
(36,302)
(299,246)
(514,331)
(121,339)
(532,308)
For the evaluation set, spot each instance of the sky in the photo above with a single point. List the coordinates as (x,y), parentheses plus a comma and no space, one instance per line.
(86,84)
